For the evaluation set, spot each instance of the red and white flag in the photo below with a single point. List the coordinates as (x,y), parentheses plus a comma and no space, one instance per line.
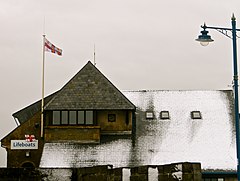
(49,47)
(30,138)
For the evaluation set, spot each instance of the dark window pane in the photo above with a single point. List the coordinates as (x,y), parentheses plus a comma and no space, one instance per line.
(80,117)
(64,117)
(56,117)
(89,117)
(72,117)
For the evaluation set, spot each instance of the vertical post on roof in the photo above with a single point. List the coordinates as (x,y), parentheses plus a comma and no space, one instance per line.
(94,61)
(42,105)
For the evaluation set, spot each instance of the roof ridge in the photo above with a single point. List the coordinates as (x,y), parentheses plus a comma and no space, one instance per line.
(89,89)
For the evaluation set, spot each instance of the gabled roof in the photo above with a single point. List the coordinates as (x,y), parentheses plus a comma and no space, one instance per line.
(210,140)
(89,89)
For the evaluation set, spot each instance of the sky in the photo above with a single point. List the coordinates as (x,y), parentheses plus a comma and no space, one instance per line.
(139,44)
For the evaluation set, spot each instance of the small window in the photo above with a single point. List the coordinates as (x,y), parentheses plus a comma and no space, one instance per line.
(164,115)
(149,115)
(72,117)
(196,115)
(80,117)
(111,117)
(56,118)
(64,117)
(89,117)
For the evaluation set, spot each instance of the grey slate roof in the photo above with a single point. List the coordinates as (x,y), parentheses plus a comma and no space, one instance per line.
(210,140)
(89,89)
(27,112)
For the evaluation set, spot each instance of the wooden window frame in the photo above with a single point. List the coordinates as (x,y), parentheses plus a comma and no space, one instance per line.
(77,115)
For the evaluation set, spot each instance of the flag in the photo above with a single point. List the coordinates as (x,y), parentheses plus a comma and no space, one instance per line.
(49,47)
(30,138)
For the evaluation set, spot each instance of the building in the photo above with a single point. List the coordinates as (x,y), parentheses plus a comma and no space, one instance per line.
(86,108)
(89,122)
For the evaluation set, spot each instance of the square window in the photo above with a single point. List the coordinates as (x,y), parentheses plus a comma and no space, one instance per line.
(164,115)
(196,115)
(111,117)
(149,115)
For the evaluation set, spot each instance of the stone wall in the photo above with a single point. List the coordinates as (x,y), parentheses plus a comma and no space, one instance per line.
(171,172)
(179,171)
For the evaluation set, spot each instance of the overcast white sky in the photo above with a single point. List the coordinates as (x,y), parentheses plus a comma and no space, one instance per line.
(140,44)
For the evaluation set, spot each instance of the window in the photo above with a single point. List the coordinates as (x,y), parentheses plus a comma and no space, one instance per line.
(56,117)
(111,117)
(81,117)
(164,115)
(89,117)
(196,115)
(64,119)
(149,115)
(213,179)
(73,117)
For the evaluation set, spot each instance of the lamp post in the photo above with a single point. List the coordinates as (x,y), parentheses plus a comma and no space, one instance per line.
(205,39)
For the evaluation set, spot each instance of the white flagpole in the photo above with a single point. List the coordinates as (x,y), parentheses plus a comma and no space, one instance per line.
(42,106)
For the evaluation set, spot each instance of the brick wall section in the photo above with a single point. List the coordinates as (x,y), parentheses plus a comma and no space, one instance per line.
(139,173)
(183,171)
(121,124)
(72,133)
(99,173)
(190,172)
(171,172)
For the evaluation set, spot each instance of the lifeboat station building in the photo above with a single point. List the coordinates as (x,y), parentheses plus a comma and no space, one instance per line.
(89,122)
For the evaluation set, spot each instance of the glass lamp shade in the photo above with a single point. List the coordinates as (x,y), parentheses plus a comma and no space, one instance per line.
(204,43)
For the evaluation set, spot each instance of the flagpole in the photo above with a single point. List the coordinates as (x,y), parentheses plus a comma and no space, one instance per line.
(94,61)
(42,106)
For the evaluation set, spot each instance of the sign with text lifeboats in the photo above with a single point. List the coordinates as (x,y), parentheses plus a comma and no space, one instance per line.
(24,145)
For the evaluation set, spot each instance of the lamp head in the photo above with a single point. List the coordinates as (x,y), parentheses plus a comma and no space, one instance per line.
(204,38)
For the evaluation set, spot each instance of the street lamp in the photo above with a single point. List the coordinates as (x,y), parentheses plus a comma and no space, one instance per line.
(205,39)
